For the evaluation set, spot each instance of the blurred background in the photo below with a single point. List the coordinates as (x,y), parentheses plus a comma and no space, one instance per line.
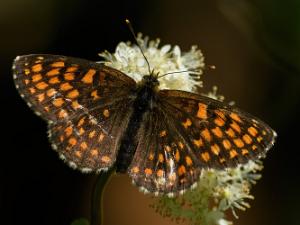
(255,46)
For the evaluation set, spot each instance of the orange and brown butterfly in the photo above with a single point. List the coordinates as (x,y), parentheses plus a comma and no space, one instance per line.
(99,117)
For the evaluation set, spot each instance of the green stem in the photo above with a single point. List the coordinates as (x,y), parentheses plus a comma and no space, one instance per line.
(97,196)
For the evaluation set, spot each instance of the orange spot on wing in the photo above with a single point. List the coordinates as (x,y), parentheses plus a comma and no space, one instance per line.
(188,161)
(42,85)
(26,81)
(65,86)
(187,123)
(163,133)
(245,151)
(58,102)
(220,114)
(177,155)
(83,145)
(230,132)
(73,94)
(32,90)
(78,154)
(27,71)
(51,92)
(226,144)
(151,156)
(202,111)
(58,64)
(135,169)
(233,153)
(75,105)
(69,76)
(72,141)
(95,95)
(160,158)
(105,159)
(247,139)
(222,160)
(217,132)
(72,69)
(160,173)
(94,152)
(36,77)
(41,97)
(235,117)
(62,114)
(215,149)
(238,142)
(88,77)
(181,170)
(252,131)
(220,122)
(181,146)
(92,134)
(37,68)
(69,131)
(198,142)
(53,72)
(205,156)
(148,171)
(259,139)
(101,137)
(206,135)
(254,147)
(106,112)
(54,80)
(167,148)
(81,131)
(235,126)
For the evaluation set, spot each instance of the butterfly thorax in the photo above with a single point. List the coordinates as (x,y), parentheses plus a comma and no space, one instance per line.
(145,98)
(149,81)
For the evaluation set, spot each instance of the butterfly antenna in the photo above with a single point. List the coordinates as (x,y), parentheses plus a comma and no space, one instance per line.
(183,71)
(135,38)
(212,67)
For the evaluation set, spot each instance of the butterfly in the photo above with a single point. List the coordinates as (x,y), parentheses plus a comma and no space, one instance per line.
(98,117)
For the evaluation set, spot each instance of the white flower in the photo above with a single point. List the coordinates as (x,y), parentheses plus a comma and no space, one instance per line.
(217,190)
(129,59)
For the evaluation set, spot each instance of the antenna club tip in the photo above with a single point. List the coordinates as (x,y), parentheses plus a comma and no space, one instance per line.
(213,67)
(127,21)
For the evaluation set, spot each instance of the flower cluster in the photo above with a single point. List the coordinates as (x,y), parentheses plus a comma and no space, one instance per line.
(217,190)
(128,59)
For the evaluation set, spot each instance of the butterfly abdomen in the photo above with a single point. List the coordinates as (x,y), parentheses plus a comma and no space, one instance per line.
(129,141)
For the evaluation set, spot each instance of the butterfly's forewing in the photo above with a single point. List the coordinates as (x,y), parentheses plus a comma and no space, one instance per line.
(187,132)
(221,136)
(81,100)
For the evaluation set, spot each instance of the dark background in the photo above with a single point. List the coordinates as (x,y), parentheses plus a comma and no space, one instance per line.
(255,46)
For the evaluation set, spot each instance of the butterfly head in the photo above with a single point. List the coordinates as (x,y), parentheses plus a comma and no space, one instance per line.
(150,81)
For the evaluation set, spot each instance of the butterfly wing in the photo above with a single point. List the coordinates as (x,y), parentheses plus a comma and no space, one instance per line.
(83,102)
(187,132)
(162,162)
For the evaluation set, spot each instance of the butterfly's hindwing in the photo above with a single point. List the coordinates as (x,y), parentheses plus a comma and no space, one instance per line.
(162,163)
(88,144)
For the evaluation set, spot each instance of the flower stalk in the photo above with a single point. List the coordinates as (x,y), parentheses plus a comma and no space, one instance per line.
(97,196)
